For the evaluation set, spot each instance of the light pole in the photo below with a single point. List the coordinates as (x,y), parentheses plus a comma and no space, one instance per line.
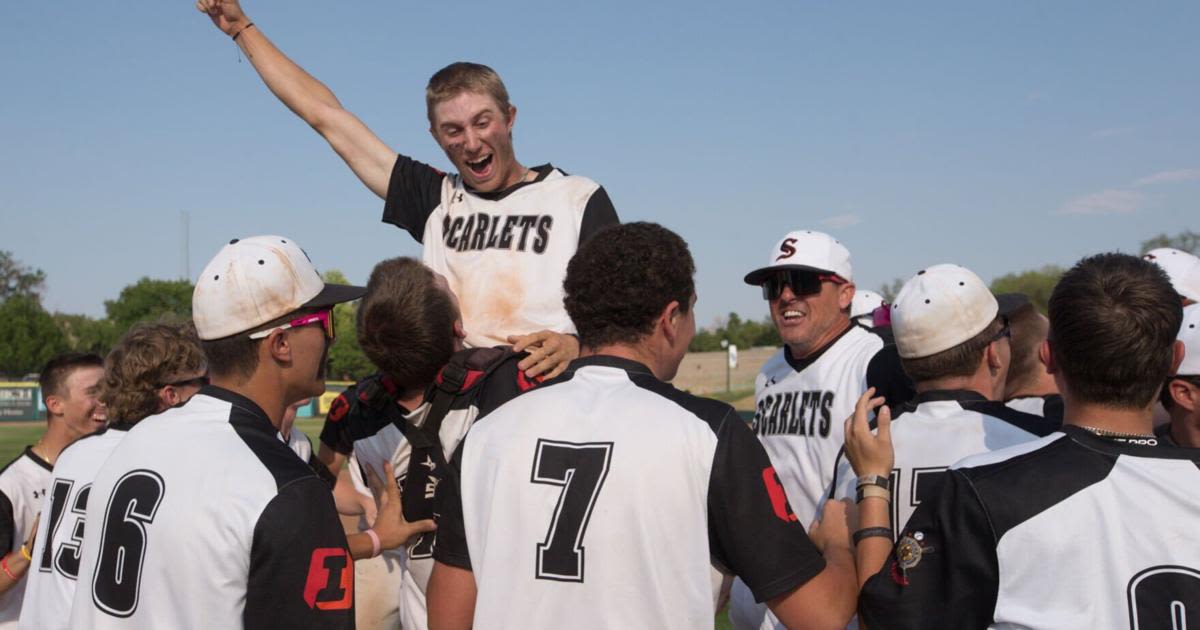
(728,361)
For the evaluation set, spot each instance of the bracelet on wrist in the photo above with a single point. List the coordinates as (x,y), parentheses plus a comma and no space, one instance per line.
(242,30)
(25,553)
(375,545)
(875,480)
(871,491)
(4,567)
(871,532)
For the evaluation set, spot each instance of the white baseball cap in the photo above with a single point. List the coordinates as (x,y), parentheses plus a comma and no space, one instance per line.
(1189,334)
(943,306)
(806,250)
(1183,269)
(255,280)
(865,302)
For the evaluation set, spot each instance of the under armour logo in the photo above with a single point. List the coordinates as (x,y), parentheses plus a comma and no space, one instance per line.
(458,198)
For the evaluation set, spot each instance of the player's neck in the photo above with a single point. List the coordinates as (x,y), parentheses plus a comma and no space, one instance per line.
(981,382)
(268,397)
(633,353)
(1115,419)
(1185,432)
(53,441)
(831,335)
(1042,386)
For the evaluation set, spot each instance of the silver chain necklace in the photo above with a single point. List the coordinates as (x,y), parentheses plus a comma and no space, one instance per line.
(1117,434)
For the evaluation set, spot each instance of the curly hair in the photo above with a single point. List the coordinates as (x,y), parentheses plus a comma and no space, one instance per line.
(621,280)
(406,322)
(148,357)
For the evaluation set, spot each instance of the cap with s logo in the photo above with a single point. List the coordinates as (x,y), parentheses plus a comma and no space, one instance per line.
(255,280)
(806,250)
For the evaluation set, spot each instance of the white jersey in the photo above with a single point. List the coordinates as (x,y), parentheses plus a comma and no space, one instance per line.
(50,582)
(504,254)
(604,498)
(1068,531)
(1049,406)
(23,484)
(202,517)
(932,432)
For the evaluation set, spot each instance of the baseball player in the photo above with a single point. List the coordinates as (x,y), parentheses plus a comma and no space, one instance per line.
(152,368)
(70,386)
(1181,394)
(271,551)
(1029,387)
(863,305)
(953,338)
(826,362)
(1182,268)
(1113,513)
(500,232)
(606,498)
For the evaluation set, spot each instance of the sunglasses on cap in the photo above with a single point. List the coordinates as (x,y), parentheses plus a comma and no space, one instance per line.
(1005,331)
(801,281)
(325,317)
(199,381)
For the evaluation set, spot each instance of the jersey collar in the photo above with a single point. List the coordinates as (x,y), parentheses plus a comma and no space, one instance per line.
(800,364)
(542,171)
(37,460)
(607,360)
(243,403)
(959,395)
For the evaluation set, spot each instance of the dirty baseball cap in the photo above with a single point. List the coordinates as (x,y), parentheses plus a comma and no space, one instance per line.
(255,280)
(808,251)
(1183,269)
(943,306)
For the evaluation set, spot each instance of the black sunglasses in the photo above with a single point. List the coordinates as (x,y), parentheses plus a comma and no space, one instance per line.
(199,381)
(801,281)
(1005,331)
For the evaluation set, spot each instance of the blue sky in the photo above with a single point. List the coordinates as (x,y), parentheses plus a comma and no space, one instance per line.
(1000,136)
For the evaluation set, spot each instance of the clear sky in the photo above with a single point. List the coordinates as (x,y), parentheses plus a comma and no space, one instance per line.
(1001,136)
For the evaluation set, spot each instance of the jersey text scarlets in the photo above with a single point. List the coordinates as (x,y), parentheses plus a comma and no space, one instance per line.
(480,231)
(794,413)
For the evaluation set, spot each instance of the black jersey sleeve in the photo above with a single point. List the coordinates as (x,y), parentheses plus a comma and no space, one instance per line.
(333,432)
(887,376)
(8,525)
(598,214)
(414,190)
(752,530)
(943,572)
(451,543)
(301,573)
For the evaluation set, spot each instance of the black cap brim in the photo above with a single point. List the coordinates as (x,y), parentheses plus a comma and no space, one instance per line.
(336,294)
(756,277)
(1012,302)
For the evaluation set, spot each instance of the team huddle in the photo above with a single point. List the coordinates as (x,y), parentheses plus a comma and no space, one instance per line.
(953,459)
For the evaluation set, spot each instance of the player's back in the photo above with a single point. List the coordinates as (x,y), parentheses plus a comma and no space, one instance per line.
(51,581)
(586,503)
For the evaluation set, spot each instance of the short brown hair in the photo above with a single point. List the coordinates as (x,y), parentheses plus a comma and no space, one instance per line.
(1028,331)
(406,322)
(59,367)
(237,355)
(622,278)
(464,76)
(148,357)
(960,360)
(1113,323)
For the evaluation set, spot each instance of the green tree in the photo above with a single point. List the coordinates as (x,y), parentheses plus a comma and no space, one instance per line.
(17,279)
(85,334)
(28,336)
(1187,241)
(891,290)
(742,333)
(1038,284)
(346,358)
(149,299)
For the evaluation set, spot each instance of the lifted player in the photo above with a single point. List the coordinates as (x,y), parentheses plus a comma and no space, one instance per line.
(500,232)
(638,491)
(153,368)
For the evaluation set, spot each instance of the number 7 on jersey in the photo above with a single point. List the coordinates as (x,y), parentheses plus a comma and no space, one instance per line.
(580,470)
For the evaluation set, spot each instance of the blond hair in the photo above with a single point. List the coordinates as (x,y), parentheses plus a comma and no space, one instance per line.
(464,76)
(148,357)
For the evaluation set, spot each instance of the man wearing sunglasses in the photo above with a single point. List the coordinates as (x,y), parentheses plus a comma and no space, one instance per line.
(202,516)
(1181,394)
(805,391)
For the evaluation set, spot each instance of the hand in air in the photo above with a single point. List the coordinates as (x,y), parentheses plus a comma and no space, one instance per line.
(870,453)
(390,525)
(549,352)
(227,15)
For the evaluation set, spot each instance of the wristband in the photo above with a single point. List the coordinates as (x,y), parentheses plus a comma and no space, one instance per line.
(25,554)
(240,31)
(865,492)
(869,532)
(375,547)
(4,566)
(875,480)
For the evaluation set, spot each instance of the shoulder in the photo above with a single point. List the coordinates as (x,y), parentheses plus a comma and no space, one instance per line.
(270,452)
(776,363)
(713,412)
(1027,422)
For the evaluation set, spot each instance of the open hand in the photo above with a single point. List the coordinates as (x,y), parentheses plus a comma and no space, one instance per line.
(390,525)
(870,453)
(549,352)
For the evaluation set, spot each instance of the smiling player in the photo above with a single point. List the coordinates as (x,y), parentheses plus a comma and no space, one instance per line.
(499,231)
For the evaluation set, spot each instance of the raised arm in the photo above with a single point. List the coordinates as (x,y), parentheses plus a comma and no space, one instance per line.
(363,151)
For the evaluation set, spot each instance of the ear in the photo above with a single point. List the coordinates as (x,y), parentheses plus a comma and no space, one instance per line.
(277,347)
(168,397)
(55,405)
(845,295)
(512,117)
(668,320)
(1046,356)
(991,354)
(1184,394)
(459,331)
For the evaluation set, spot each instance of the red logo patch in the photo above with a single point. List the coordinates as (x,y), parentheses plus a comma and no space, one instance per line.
(330,584)
(786,248)
(779,501)
(338,408)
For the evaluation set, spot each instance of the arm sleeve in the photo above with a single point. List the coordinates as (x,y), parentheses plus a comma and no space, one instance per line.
(597,215)
(8,525)
(301,573)
(752,529)
(451,543)
(414,190)
(943,572)
(333,432)
(887,376)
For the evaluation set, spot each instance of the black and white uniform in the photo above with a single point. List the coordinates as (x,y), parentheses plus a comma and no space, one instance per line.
(800,409)
(203,517)
(23,484)
(1049,406)
(505,253)
(604,499)
(50,582)
(1068,531)
(372,444)
(934,431)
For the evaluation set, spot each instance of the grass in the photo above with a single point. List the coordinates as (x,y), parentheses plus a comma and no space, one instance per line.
(14,436)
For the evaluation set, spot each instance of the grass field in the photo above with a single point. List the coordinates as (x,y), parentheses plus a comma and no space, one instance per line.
(14,436)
